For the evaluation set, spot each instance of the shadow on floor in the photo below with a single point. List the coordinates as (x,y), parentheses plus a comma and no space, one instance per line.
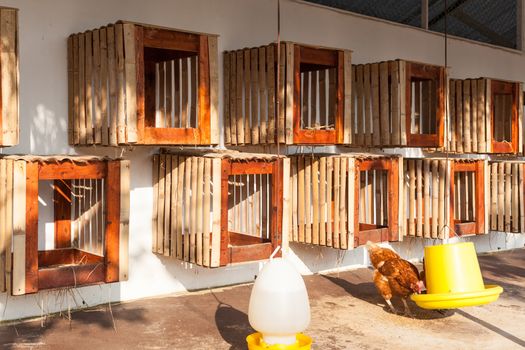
(233,325)
(367,292)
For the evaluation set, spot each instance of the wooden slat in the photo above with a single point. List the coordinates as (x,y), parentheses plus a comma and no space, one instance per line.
(263,98)
(216,221)
(155,214)
(75,123)
(233,98)
(167,206)
(313,105)
(286,206)
(384,98)
(288,123)
(419,200)
(395,98)
(360,105)
(412,197)
(9,76)
(270,81)
(515,204)
(308,198)
(8,225)
(19,228)
(193,207)
(305,107)
(104,86)
(353,125)
(173,206)
(199,214)
(466,117)
(508,196)
(121,84)
(254,58)
(281,91)
(179,207)
(521,197)
(375,105)
(295,224)
(112,189)
(247,97)
(348,104)
(207,212)
(169,94)
(343,238)
(435,199)
(187,207)
(368,104)
(448,174)
(402,104)
(332,96)
(474,114)
(494,196)
(161,207)
(459,117)
(337,199)
(329,199)
(227,102)
(481,118)
(315,200)
(501,194)
(185,116)
(71,91)
(426,205)
(452,100)
(82,88)
(351,203)
(4,249)
(213,57)
(97,117)
(238,97)
(441,208)
(113,95)
(124,220)
(323,220)
(302,199)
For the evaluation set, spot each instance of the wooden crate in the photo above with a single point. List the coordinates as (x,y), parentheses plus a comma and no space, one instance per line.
(213,209)
(9,76)
(507,206)
(91,219)
(132,83)
(429,199)
(343,201)
(485,116)
(398,103)
(309,105)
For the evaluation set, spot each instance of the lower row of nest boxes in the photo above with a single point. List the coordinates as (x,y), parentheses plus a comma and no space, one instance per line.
(132,83)
(214,209)
(221,208)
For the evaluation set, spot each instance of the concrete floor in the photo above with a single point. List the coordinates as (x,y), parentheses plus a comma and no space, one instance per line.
(347,313)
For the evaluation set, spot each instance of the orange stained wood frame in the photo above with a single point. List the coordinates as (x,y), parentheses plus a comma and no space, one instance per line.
(368,232)
(40,274)
(508,88)
(419,71)
(324,58)
(188,44)
(469,228)
(236,248)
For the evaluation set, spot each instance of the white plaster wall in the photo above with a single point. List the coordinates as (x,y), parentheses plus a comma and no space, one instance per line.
(44,27)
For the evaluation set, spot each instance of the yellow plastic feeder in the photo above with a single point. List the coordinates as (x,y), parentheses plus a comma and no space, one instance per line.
(255,342)
(453,278)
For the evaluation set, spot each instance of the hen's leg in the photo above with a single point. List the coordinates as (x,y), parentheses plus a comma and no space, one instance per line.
(394,311)
(407,309)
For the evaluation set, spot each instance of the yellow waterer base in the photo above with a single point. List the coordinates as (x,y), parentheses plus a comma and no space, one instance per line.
(255,342)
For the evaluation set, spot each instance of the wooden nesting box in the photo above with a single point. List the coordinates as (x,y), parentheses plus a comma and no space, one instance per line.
(213,209)
(485,116)
(133,83)
(432,183)
(398,103)
(309,105)
(8,76)
(90,215)
(343,201)
(507,206)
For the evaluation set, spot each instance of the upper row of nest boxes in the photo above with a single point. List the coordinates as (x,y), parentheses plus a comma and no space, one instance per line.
(131,83)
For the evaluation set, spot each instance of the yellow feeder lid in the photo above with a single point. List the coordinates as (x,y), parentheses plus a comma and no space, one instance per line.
(457,300)
(255,342)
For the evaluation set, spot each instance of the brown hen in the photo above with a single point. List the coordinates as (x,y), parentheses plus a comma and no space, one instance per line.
(393,275)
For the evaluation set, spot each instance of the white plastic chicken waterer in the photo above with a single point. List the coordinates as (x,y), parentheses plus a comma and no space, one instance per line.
(279,307)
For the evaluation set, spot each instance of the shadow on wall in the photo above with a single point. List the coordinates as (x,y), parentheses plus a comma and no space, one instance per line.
(45,130)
